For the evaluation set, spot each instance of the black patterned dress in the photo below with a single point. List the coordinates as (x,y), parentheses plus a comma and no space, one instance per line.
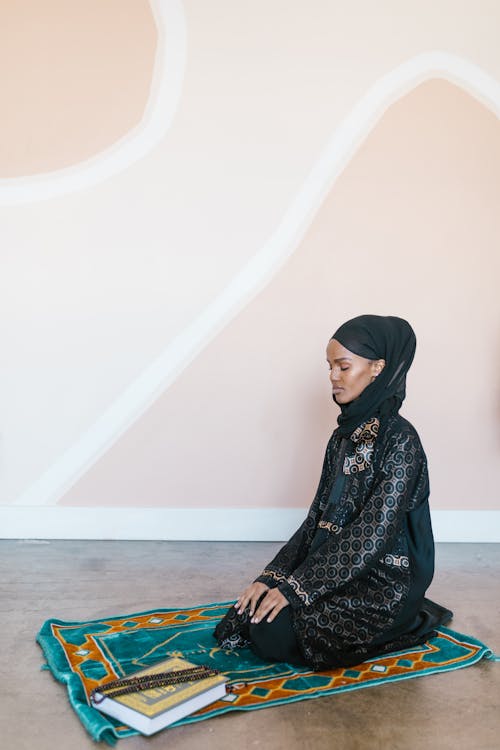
(356,571)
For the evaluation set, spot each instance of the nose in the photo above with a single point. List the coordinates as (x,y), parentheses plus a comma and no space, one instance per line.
(334,374)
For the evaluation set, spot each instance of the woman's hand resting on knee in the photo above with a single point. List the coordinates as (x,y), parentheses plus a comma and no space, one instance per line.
(251,596)
(272,603)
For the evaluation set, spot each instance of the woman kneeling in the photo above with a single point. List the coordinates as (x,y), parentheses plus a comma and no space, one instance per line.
(350,584)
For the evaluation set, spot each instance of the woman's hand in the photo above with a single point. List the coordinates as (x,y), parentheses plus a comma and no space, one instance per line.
(251,595)
(273,602)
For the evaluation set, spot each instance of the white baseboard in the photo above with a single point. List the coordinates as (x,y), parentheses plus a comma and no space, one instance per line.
(207,524)
(466,525)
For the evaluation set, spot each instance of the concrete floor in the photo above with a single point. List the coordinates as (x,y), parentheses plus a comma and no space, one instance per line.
(87,580)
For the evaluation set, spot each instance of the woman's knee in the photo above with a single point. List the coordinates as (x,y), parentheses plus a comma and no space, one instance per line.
(274,640)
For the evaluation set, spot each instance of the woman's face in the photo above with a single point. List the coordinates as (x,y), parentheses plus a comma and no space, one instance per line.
(350,373)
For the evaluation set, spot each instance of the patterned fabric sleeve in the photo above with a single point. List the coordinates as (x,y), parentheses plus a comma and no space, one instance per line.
(295,550)
(401,484)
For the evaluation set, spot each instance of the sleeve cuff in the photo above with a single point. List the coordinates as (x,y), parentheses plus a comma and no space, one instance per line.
(271,577)
(265,579)
(293,598)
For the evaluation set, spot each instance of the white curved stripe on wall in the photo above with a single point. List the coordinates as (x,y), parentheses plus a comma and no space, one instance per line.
(132,403)
(165,92)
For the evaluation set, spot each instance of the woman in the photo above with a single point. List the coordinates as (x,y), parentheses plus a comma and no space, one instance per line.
(350,583)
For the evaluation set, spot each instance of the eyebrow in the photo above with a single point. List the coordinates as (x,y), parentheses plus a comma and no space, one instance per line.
(341,359)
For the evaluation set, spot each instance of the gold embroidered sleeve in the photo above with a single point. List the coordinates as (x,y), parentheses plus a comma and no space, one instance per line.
(401,485)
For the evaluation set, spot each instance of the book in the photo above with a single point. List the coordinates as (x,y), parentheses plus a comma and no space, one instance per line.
(150,710)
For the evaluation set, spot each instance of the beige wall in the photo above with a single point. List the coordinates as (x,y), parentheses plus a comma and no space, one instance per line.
(76,78)
(124,385)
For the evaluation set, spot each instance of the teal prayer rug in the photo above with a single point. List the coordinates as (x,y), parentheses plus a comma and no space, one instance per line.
(83,655)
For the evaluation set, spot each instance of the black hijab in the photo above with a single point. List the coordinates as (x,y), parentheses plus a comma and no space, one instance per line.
(377,337)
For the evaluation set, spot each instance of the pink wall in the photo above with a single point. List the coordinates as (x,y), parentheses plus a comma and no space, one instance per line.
(408,229)
(65,97)
(108,280)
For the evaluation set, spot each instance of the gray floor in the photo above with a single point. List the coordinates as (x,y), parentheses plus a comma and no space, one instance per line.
(84,580)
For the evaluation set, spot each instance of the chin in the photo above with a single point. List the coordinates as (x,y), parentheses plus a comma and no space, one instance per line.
(341,398)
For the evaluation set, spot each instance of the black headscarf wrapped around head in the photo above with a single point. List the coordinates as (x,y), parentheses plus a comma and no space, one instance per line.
(377,337)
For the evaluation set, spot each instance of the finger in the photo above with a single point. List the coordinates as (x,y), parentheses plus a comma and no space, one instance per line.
(253,603)
(259,595)
(266,606)
(249,596)
(242,603)
(259,614)
(275,612)
(238,602)
(239,599)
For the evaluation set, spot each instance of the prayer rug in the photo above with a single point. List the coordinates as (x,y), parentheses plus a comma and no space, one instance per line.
(85,654)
